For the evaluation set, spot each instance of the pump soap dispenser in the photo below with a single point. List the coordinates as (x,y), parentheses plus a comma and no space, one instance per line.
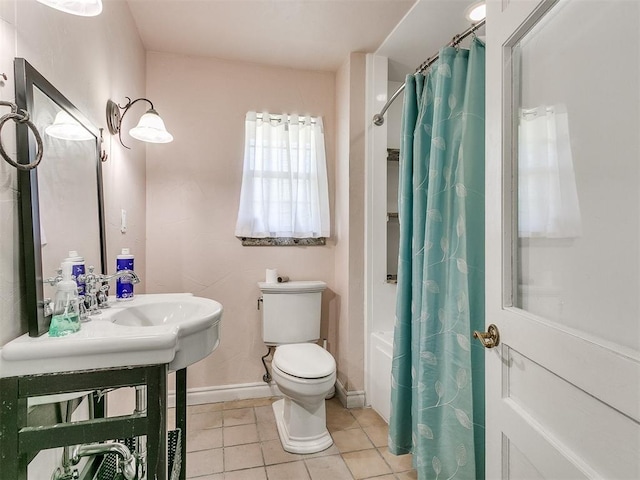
(66,318)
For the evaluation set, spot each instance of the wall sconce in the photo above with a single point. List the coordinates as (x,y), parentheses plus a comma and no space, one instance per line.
(150,128)
(84,8)
(65,127)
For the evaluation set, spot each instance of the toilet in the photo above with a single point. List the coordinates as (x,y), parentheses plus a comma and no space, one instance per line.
(303,371)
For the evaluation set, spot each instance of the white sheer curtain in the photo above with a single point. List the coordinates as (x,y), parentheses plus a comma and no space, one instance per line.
(285,191)
(547,198)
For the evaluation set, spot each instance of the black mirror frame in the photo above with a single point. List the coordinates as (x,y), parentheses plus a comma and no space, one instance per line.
(26,78)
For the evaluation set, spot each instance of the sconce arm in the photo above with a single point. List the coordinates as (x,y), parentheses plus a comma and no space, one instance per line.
(115,118)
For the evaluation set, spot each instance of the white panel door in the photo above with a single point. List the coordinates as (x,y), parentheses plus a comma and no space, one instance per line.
(563,239)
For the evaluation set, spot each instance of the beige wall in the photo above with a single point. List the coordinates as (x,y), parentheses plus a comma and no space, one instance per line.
(193,188)
(184,241)
(12,313)
(350,204)
(89,60)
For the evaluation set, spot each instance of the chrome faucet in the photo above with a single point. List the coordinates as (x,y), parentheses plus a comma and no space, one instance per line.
(97,287)
(96,290)
(133,277)
(91,281)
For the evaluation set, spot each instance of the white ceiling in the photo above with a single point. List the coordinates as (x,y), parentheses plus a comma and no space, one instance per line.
(302,34)
(429,25)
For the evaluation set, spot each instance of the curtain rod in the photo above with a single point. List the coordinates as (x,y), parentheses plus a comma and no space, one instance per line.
(378,118)
(278,118)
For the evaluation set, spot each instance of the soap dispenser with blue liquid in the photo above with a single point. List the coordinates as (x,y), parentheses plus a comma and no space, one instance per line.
(66,307)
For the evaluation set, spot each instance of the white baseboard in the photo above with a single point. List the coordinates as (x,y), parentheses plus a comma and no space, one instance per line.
(350,399)
(244,391)
(225,393)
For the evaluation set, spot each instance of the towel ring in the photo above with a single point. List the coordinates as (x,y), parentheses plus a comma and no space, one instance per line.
(21,116)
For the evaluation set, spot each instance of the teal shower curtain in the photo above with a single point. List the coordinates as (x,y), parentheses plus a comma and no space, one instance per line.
(437,399)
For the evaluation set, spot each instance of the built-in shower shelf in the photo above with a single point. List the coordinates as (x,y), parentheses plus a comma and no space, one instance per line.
(393,224)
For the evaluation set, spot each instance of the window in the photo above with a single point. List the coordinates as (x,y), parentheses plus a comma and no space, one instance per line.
(284,184)
(548,204)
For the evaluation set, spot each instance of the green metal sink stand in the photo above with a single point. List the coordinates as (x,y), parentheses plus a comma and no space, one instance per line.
(20,443)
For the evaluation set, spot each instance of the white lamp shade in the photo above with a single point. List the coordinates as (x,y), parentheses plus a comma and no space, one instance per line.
(151,129)
(477,11)
(65,127)
(84,8)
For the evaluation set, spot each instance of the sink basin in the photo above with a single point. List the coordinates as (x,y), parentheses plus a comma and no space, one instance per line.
(197,321)
(176,329)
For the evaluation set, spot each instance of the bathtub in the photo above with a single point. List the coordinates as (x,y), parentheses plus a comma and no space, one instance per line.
(381,352)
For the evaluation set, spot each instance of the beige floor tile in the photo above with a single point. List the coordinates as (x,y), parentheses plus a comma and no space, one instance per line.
(334,404)
(204,439)
(240,434)
(245,423)
(378,434)
(215,476)
(250,474)
(340,420)
(328,468)
(267,430)
(264,414)
(265,401)
(249,402)
(288,471)
(235,404)
(367,417)
(239,416)
(200,421)
(204,462)
(398,463)
(332,450)
(410,475)
(274,453)
(204,407)
(242,456)
(366,463)
(351,440)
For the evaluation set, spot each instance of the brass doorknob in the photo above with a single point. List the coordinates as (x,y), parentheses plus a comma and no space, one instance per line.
(490,338)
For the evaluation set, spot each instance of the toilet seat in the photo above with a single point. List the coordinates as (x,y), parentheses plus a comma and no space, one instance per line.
(304,360)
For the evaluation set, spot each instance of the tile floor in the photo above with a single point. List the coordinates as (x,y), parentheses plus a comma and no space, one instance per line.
(239,441)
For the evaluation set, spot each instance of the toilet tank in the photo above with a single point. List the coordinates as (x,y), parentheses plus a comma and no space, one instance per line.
(291,311)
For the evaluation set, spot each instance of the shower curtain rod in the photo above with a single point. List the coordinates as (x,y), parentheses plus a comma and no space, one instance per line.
(378,118)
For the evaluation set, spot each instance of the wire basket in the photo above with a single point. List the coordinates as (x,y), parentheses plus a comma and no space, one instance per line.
(108,469)
(174,457)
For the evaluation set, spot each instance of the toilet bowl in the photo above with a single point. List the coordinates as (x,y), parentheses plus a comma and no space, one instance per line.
(305,373)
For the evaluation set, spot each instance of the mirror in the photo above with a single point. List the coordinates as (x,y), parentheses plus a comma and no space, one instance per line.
(61,200)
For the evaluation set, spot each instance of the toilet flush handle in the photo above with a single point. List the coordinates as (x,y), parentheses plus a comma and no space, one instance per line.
(260,300)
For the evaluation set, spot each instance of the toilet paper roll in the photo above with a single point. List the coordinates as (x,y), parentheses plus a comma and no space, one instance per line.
(272,275)
(283,279)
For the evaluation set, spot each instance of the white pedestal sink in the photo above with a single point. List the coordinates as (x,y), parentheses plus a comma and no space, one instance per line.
(176,329)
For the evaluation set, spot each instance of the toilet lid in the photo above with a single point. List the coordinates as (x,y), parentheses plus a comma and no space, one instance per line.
(304,360)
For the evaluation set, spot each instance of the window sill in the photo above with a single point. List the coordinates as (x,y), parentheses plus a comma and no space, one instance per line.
(282,242)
